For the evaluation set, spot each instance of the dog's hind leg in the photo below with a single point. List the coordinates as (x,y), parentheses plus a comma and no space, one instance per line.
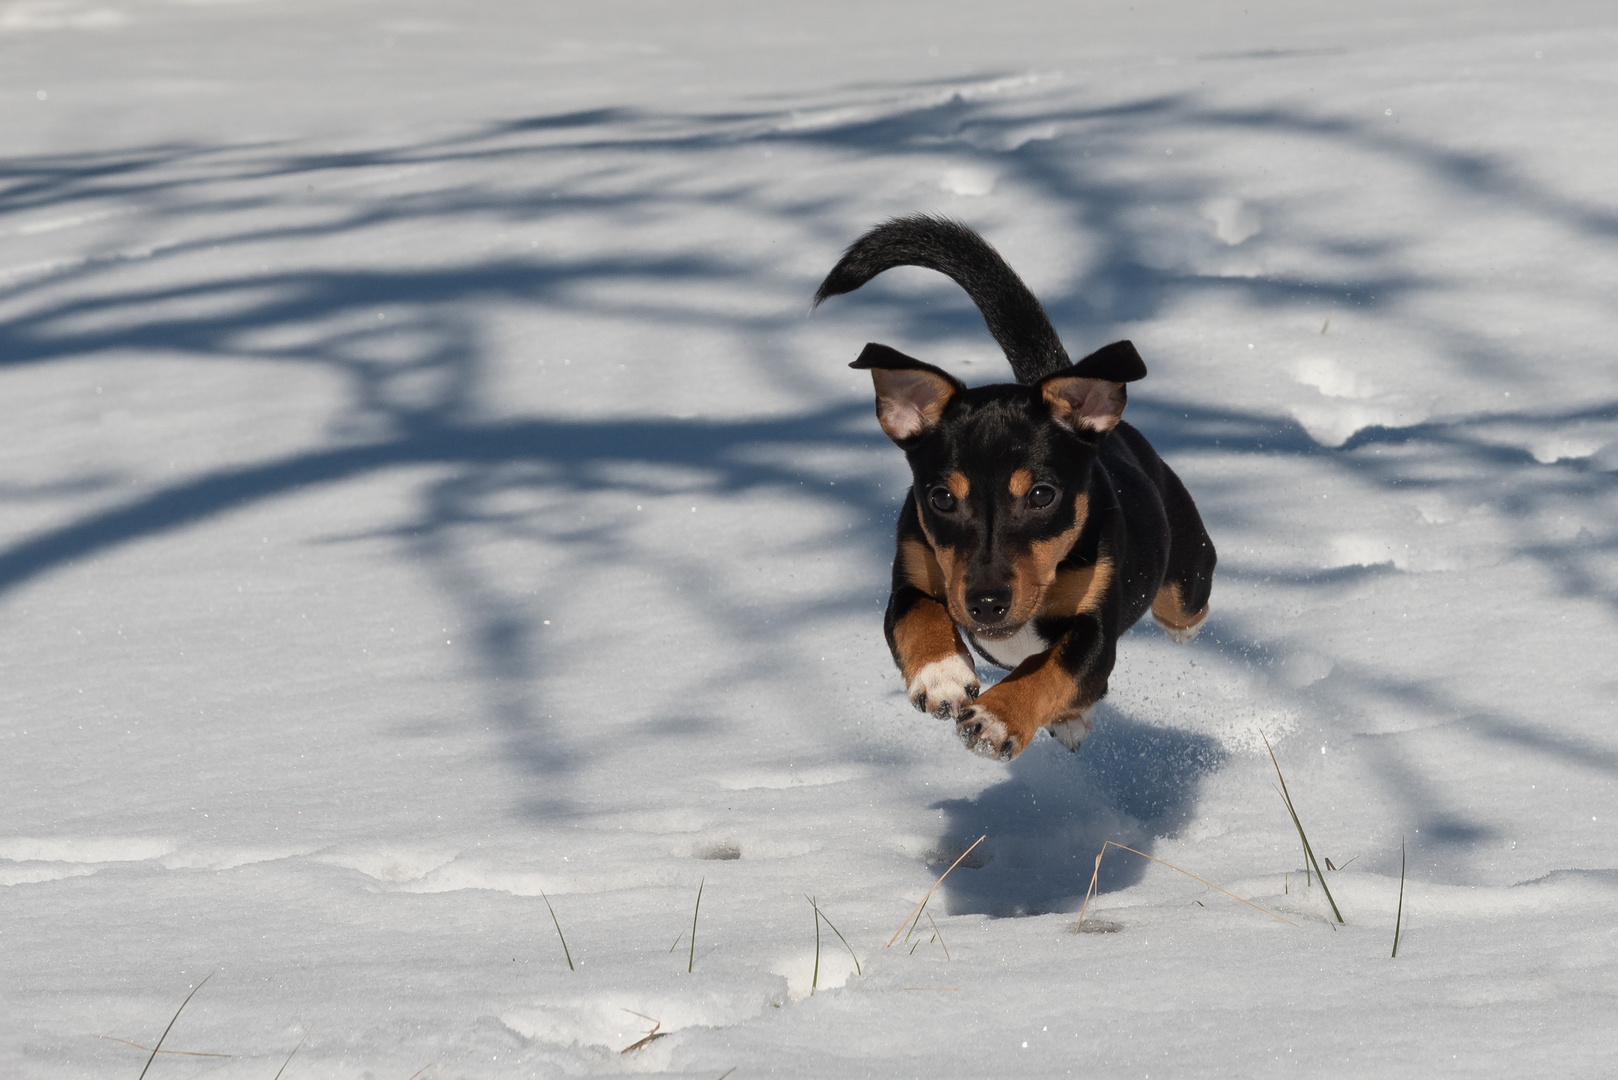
(1070,733)
(1181,604)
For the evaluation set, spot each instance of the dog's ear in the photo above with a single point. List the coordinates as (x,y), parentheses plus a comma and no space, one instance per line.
(910,395)
(1088,398)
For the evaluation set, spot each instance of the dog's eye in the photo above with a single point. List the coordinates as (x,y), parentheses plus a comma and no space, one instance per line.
(942,499)
(1041,496)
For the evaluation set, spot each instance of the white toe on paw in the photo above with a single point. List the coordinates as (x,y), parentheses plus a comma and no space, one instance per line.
(985,733)
(944,687)
(1070,733)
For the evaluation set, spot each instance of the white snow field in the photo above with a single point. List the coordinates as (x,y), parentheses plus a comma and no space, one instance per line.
(424,486)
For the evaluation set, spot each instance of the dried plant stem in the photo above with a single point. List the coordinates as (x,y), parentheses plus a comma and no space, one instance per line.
(822,915)
(293,1054)
(814,980)
(181,1053)
(1095,877)
(1309,852)
(691,962)
(1398,917)
(170,1028)
(916,911)
(555,922)
(939,934)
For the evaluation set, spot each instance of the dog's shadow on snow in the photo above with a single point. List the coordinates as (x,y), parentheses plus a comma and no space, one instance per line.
(1047,821)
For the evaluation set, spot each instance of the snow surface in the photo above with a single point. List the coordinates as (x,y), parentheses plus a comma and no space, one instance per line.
(424,487)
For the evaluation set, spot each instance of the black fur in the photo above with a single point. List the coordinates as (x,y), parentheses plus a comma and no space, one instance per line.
(1033,505)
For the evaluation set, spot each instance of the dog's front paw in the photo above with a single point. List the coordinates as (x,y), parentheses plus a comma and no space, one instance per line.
(944,688)
(985,733)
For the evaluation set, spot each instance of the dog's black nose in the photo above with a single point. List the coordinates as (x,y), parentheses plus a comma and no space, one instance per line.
(988,605)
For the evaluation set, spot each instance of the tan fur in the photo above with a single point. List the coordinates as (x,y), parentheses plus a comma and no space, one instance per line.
(1038,693)
(1169,609)
(925,634)
(921,568)
(1021,481)
(1033,574)
(1079,590)
(951,570)
(959,486)
(909,402)
(1091,404)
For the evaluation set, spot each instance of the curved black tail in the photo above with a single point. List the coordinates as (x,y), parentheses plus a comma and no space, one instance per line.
(1014,316)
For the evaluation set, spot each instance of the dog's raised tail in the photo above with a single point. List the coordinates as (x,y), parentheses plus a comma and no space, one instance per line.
(1013,314)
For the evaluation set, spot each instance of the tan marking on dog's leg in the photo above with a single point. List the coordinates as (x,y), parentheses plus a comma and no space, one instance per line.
(1008,716)
(1169,612)
(938,671)
(1021,481)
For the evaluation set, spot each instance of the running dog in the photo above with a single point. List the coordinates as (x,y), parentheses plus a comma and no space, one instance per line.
(1040,525)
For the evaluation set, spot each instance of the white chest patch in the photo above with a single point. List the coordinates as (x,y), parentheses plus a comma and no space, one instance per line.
(1013,650)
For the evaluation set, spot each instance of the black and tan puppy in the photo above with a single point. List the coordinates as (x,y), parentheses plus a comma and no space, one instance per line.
(1040,526)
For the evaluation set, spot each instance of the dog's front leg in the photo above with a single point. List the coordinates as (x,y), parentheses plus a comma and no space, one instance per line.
(1059,686)
(939,675)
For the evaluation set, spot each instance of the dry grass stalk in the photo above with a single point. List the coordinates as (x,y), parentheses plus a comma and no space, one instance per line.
(1398,916)
(1308,852)
(822,915)
(691,962)
(555,922)
(170,1028)
(939,934)
(651,1036)
(294,1053)
(182,1053)
(1095,877)
(916,911)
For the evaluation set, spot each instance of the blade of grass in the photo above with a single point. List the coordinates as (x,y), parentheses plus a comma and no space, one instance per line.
(170,1028)
(1124,847)
(916,911)
(814,980)
(181,1053)
(555,922)
(1308,851)
(691,962)
(1398,917)
(677,939)
(940,935)
(293,1054)
(841,938)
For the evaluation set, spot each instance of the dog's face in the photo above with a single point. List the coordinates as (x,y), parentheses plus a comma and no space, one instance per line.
(1000,475)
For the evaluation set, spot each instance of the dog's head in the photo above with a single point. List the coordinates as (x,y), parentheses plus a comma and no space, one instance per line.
(1001,475)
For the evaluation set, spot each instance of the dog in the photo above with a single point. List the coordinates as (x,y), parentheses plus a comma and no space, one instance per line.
(1040,526)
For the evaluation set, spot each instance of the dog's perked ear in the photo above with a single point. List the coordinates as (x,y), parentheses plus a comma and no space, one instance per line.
(910,395)
(1088,398)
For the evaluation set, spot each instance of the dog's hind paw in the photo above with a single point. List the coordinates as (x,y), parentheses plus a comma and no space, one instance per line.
(985,733)
(944,687)
(1070,733)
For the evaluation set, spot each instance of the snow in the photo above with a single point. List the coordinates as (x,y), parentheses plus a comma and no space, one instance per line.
(426,488)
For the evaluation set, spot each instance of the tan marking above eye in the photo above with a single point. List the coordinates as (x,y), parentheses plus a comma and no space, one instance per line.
(1021,481)
(958,485)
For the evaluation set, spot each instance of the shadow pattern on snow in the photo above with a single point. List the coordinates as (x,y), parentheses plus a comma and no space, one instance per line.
(420,406)
(1129,782)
